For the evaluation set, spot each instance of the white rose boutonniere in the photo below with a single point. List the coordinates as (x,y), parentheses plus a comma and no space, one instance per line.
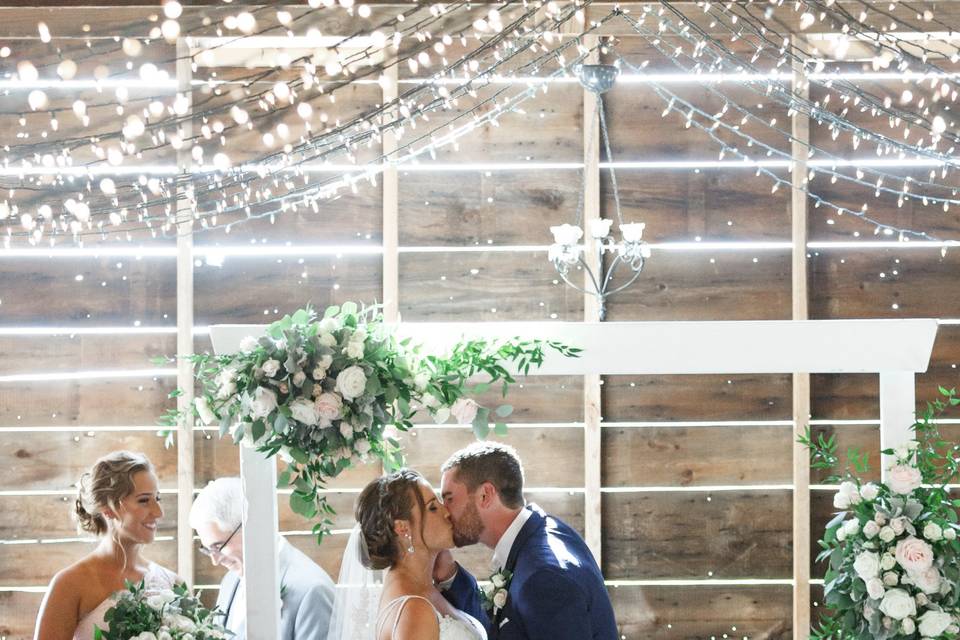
(494,595)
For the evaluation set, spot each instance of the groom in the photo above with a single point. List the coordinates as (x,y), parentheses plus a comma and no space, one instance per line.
(556,591)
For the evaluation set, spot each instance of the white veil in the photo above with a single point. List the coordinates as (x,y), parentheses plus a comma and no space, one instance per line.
(357,598)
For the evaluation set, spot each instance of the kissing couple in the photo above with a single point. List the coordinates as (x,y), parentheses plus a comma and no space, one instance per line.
(545,582)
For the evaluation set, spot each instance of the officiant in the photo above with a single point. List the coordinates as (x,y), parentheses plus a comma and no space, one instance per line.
(306,591)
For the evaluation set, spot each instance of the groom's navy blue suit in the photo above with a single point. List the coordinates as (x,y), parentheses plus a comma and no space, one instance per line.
(556,591)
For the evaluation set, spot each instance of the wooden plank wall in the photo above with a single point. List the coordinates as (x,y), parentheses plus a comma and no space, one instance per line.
(695,471)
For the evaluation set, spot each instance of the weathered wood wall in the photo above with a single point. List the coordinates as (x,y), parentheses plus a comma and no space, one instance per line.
(696,470)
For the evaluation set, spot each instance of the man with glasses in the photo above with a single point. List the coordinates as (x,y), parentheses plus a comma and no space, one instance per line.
(306,591)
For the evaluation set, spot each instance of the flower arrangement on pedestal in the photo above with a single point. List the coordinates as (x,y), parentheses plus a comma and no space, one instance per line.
(892,550)
(329,392)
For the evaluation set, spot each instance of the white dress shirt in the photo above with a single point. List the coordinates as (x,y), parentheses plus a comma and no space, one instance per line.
(502,551)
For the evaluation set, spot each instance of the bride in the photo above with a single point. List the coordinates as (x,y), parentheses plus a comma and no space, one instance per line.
(402,527)
(119,502)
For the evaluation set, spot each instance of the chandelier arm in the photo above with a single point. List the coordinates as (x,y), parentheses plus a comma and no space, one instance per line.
(563,276)
(633,278)
(613,267)
(606,145)
(593,278)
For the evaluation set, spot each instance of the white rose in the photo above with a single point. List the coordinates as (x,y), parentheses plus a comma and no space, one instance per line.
(330,405)
(248,344)
(901,452)
(328,339)
(903,479)
(887,562)
(325,361)
(146,635)
(922,600)
(851,527)
(880,519)
(841,534)
(908,626)
(179,622)
(887,534)
(430,401)
(841,501)
(488,590)
(934,623)
(914,555)
(498,581)
(355,350)
(299,378)
(464,410)
(871,529)
(949,533)
(164,635)
(160,599)
(346,430)
(954,629)
(890,579)
(270,367)
(351,382)
(500,599)
(875,588)
(226,390)
(927,581)
(869,491)
(421,380)
(898,525)
(867,565)
(442,415)
(207,416)
(319,373)
(264,401)
(362,446)
(303,411)
(329,324)
(851,491)
(932,532)
(898,604)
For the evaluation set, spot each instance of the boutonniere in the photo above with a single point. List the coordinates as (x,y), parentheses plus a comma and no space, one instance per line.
(494,593)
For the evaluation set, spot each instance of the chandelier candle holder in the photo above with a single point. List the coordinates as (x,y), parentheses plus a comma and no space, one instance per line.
(567,252)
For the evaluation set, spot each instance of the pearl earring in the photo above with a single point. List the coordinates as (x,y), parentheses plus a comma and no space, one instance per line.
(410,548)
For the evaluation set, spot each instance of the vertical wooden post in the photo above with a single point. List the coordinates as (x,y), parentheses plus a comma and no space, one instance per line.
(801,381)
(185,464)
(898,402)
(593,522)
(391,212)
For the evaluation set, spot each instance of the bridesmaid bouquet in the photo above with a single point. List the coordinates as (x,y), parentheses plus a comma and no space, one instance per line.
(160,615)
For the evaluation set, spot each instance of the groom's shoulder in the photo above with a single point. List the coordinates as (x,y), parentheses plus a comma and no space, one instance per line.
(555,545)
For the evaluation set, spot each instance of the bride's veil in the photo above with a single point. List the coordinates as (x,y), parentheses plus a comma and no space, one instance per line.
(357,596)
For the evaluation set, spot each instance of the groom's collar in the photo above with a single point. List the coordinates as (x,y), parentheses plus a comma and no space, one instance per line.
(516,533)
(502,550)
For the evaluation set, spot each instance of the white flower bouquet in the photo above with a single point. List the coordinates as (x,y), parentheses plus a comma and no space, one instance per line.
(892,550)
(160,615)
(328,393)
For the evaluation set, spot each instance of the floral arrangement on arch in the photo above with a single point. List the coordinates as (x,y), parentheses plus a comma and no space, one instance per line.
(327,393)
(169,614)
(892,550)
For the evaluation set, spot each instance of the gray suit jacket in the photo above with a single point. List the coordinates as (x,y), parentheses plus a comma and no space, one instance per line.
(307,599)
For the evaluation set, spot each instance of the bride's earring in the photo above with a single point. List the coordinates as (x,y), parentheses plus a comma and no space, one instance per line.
(410,548)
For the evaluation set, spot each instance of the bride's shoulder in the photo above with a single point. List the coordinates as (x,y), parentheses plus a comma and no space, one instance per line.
(417,619)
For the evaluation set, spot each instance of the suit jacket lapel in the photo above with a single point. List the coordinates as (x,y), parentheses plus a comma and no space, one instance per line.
(531,526)
(233,596)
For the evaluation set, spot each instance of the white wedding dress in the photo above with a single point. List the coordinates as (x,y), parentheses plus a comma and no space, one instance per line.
(156,578)
(462,627)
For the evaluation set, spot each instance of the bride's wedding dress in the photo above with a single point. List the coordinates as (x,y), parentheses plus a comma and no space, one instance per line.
(462,627)
(156,578)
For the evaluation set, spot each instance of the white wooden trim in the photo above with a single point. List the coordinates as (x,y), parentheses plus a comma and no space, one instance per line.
(391,212)
(897,411)
(185,453)
(260,544)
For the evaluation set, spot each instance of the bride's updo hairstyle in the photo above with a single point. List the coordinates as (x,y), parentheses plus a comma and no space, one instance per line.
(108,481)
(384,500)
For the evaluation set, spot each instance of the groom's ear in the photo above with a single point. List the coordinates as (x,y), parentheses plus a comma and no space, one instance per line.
(487,493)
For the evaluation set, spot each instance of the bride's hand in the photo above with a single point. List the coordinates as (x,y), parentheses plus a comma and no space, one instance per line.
(445,567)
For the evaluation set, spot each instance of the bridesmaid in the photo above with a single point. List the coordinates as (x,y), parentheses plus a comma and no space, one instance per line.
(119,502)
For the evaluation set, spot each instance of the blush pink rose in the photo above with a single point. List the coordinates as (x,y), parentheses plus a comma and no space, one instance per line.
(914,555)
(464,410)
(329,405)
(903,479)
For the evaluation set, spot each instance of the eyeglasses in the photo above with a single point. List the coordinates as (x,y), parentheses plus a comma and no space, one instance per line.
(218,548)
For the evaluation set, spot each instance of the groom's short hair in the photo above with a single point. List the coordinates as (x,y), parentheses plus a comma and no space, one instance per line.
(491,462)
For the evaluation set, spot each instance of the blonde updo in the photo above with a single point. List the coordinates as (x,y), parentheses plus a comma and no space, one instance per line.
(109,480)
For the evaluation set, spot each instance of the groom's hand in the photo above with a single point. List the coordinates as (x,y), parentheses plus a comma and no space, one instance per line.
(445,567)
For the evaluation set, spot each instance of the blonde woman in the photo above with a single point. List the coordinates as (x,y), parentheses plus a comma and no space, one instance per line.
(119,502)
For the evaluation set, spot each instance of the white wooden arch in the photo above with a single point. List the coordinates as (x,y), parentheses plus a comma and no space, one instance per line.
(894,349)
